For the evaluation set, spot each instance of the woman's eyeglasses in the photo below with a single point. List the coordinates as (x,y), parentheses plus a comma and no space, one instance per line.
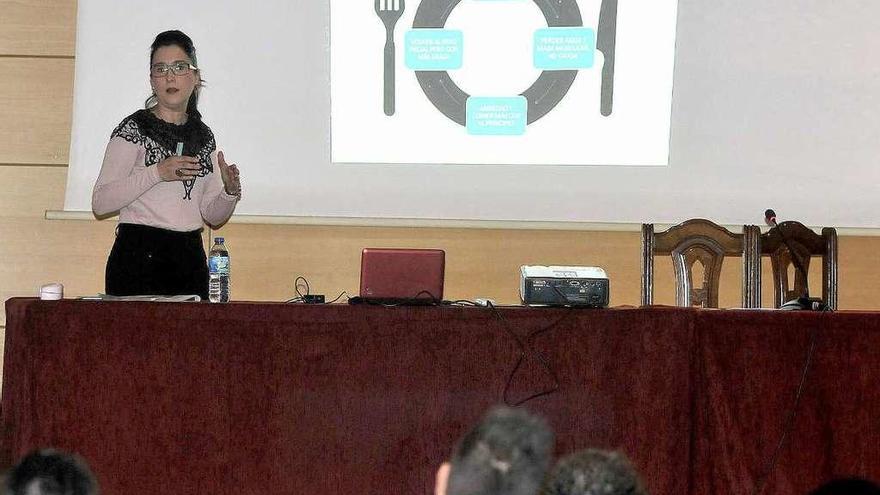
(177,68)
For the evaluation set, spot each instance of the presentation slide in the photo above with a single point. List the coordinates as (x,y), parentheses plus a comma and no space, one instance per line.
(543,82)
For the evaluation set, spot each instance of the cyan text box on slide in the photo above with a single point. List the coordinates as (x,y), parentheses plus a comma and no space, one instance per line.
(496,116)
(434,49)
(565,48)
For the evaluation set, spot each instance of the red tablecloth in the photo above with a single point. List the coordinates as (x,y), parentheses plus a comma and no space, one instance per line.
(282,399)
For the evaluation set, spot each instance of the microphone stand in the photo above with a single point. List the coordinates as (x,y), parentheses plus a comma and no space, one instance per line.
(804,302)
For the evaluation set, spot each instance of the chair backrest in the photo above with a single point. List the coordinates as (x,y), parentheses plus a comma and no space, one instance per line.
(706,242)
(806,244)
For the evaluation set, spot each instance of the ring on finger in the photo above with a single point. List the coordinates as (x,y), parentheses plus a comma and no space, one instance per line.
(178,173)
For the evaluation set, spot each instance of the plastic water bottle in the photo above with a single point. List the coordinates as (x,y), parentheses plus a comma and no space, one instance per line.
(218,272)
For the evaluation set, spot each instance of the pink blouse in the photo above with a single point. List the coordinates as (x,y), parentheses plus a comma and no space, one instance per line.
(126,185)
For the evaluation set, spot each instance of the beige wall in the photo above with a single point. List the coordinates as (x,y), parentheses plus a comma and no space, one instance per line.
(36,84)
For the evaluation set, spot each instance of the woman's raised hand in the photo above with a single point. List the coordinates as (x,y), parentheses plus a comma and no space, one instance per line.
(231,177)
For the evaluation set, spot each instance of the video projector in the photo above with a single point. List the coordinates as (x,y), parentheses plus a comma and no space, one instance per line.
(564,286)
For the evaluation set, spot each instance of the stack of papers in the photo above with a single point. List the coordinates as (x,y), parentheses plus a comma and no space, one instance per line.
(181,298)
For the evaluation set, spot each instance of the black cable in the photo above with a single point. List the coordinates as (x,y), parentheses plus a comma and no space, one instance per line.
(523,349)
(792,413)
(434,300)
(337,297)
(296,286)
(416,300)
(522,353)
(300,297)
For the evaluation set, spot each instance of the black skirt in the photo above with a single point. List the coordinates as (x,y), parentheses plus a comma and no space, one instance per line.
(153,261)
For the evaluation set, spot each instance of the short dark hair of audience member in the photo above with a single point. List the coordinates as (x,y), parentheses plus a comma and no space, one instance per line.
(848,486)
(49,472)
(594,472)
(507,453)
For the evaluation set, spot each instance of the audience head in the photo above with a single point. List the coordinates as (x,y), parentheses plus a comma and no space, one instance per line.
(847,486)
(594,472)
(49,472)
(507,453)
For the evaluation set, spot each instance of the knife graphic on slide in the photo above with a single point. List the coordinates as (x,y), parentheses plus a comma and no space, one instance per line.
(606,36)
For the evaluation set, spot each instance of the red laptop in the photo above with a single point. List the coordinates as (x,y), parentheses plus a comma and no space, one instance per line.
(401,276)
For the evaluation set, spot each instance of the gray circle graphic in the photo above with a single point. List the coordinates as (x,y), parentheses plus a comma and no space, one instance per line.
(544,94)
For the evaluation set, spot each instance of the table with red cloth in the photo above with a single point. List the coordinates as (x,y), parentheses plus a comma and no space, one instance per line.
(263,398)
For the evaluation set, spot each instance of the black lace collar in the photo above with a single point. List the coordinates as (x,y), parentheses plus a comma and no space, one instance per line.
(194,134)
(159,139)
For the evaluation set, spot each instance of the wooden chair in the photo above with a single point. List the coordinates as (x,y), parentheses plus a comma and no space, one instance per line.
(702,241)
(806,244)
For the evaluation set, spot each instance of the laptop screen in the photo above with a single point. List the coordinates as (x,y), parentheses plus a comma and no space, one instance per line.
(400,275)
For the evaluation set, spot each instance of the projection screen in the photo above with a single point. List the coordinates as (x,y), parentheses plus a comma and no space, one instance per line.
(506,110)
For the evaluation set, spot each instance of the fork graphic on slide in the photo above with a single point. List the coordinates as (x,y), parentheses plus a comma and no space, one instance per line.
(389,11)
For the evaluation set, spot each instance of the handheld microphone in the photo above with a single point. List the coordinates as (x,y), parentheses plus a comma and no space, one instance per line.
(805,301)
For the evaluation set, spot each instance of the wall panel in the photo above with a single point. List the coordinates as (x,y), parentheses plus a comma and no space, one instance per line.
(479,263)
(36,98)
(37,251)
(37,27)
